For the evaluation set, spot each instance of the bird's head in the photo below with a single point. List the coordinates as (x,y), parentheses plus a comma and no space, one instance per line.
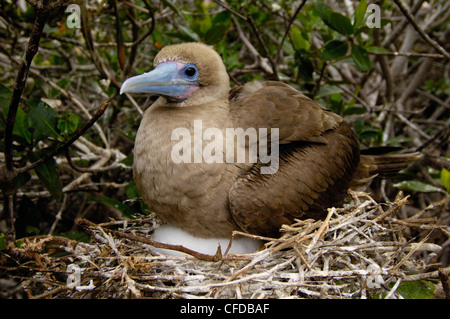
(183,74)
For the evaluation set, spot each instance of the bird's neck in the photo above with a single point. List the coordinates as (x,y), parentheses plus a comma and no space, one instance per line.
(169,115)
(164,126)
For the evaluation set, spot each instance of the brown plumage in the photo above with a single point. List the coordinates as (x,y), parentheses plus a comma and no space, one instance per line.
(319,154)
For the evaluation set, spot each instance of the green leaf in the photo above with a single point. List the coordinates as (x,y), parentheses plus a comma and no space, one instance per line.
(48,174)
(299,42)
(5,98)
(22,125)
(326,90)
(384,22)
(223,17)
(416,186)
(360,13)
(323,10)
(368,133)
(68,123)
(305,68)
(201,21)
(2,241)
(352,110)
(43,120)
(128,161)
(445,178)
(5,92)
(416,289)
(220,24)
(340,23)
(397,141)
(21,179)
(361,58)
(376,49)
(132,191)
(192,36)
(333,19)
(173,7)
(334,50)
(215,34)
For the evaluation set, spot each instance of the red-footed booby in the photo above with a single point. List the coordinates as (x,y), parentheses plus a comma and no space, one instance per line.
(209,160)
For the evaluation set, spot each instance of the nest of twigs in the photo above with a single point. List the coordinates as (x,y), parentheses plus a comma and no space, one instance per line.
(359,251)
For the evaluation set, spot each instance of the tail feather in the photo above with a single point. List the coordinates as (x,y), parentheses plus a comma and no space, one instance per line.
(387,165)
(382,165)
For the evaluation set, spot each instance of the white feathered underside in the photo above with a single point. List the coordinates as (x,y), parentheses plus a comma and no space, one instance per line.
(176,236)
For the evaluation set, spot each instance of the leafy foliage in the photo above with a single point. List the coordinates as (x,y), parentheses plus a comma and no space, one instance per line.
(417,290)
(413,290)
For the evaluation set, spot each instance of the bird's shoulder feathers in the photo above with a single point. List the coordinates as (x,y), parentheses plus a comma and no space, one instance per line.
(278,105)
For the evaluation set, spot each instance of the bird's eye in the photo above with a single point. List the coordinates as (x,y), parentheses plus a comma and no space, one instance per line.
(190,71)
